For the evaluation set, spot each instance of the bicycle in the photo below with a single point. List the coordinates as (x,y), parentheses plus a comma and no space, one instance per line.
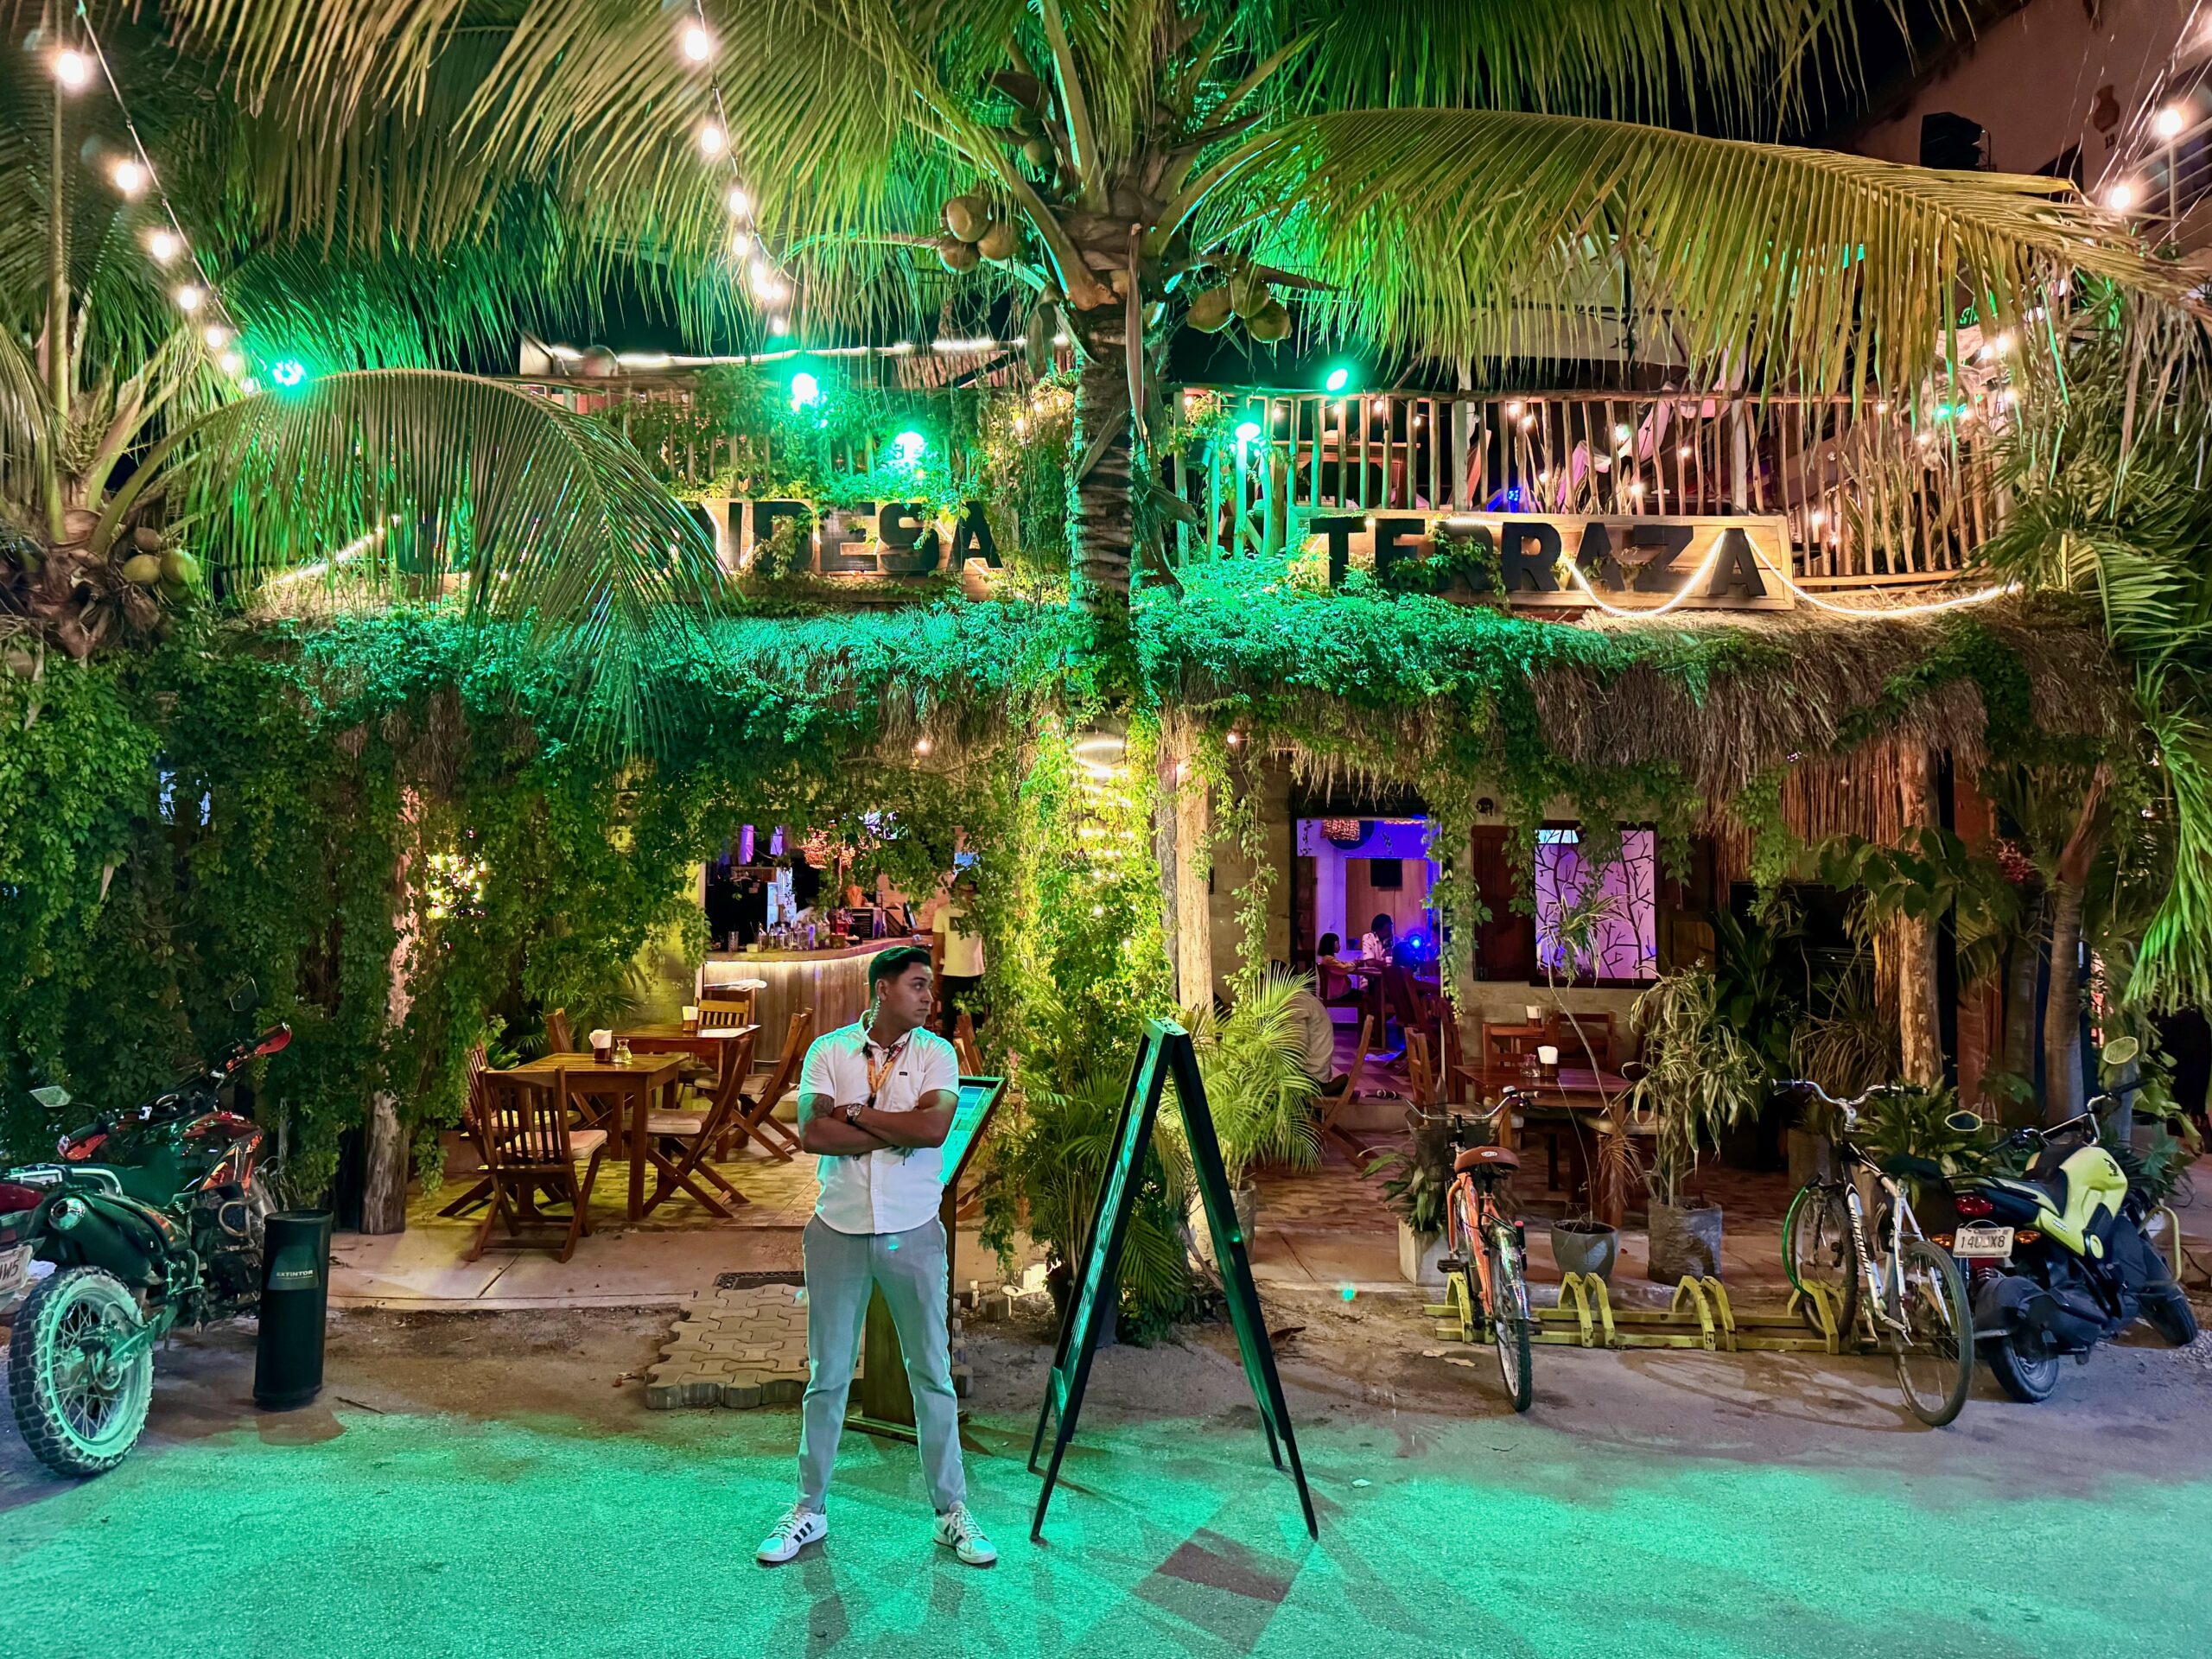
(1912,1301)
(1485,1251)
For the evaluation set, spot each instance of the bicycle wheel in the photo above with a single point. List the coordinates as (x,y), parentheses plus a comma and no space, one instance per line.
(1933,1338)
(1509,1318)
(1818,1247)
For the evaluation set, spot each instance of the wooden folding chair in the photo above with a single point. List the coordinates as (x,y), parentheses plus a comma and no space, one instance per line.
(677,1142)
(1341,1097)
(1419,1071)
(965,1047)
(1452,1074)
(524,1128)
(726,1010)
(558,1037)
(482,1193)
(757,1119)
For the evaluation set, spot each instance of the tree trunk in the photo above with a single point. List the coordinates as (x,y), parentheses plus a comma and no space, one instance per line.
(1193,809)
(1919,1021)
(1102,529)
(2019,1057)
(2061,1018)
(383,1153)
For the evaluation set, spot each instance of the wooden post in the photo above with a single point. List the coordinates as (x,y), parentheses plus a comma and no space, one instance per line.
(1183,838)
(1919,1025)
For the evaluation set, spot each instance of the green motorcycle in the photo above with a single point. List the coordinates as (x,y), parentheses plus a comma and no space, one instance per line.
(149,1219)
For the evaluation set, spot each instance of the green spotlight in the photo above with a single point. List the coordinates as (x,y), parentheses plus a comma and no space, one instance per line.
(1248,432)
(909,445)
(1340,377)
(806,391)
(287,372)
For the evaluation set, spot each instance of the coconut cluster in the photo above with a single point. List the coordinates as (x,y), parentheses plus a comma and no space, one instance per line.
(1245,298)
(973,232)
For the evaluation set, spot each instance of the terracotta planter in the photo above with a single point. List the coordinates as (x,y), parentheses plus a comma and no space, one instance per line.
(1685,1242)
(1586,1246)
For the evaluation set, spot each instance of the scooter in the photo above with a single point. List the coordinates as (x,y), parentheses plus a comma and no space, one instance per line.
(150,1218)
(2058,1257)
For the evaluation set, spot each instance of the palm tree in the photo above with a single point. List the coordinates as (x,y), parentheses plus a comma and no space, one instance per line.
(1434,179)
(134,426)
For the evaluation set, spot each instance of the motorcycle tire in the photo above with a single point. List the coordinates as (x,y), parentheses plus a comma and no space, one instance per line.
(2167,1312)
(2029,1378)
(75,1422)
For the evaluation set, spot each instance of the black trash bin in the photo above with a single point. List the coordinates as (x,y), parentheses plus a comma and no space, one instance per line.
(295,1295)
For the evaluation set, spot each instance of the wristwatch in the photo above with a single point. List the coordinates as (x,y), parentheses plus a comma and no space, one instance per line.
(853,1114)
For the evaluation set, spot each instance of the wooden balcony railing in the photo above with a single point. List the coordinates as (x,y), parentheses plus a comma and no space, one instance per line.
(1873,497)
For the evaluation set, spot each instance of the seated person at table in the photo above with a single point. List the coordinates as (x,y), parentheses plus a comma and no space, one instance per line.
(1381,942)
(1339,980)
(1316,1033)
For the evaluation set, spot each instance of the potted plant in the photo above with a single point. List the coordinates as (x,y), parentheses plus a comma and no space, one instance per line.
(1261,1101)
(1698,1078)
(1416,1185)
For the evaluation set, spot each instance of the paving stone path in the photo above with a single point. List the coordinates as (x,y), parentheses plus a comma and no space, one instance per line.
(743,1345)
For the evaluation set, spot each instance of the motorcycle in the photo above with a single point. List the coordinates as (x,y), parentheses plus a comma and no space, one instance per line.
(2058,1257)
(150,1218)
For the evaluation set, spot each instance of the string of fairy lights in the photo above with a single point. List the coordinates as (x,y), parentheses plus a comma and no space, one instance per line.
(134,177)
(748,250)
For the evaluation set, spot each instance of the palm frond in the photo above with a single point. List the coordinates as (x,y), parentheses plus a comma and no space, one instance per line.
(1731,58)
(418,483)
(1454,231)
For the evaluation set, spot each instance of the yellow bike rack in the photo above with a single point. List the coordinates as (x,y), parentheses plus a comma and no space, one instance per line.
(1701,1315)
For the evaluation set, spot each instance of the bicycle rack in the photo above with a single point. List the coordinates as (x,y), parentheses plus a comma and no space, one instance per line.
(1701,1316)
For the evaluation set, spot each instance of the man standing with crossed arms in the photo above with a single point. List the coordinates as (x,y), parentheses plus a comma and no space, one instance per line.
(875,1101)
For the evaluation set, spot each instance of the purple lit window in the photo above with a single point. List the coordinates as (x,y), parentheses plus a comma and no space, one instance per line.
(1619,903)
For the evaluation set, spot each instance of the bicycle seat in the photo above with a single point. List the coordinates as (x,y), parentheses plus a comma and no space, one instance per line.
(1480,1158)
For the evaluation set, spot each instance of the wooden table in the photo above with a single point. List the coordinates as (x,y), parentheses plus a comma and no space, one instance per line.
(1577,1097)
(635,1084)
(712,1046)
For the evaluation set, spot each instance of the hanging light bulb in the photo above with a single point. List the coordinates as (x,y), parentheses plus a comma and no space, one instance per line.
(72,69)
(697,44)
(740,204)
(779,325)
(164,245)
(232,364)
(216,335)
(712,139)
(249,386)
(2121,197)
(129,177)
(189,298)
(2170,122)
(740,244)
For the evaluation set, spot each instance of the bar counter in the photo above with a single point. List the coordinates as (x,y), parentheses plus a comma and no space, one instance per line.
(833,982)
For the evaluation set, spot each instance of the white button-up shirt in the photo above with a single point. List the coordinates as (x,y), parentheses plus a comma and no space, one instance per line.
(898,1188)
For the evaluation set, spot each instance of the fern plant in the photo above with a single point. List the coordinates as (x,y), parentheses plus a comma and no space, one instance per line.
(1701,1078)
(1261,1101)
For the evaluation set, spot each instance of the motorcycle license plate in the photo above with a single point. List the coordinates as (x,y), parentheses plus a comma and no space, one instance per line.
(1982,1243)
(15,1270)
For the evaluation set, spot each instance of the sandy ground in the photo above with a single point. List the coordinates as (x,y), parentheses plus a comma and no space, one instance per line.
(490,1484)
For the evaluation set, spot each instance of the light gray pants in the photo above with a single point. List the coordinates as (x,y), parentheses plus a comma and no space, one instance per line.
(840,1270)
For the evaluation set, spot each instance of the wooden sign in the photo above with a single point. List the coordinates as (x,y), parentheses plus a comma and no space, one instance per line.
(1722,563)
(869,539)
(885,1403)
(1166,1052)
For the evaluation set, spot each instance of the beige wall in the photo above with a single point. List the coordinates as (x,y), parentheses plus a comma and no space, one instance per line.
(2031,80)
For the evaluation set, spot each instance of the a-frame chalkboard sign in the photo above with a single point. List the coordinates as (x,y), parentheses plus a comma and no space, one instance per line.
(1167,1054)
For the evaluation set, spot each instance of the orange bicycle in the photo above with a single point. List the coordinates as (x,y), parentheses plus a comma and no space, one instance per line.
(1485,1259)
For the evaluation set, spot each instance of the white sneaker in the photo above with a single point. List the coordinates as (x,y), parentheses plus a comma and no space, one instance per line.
(957,1528)
(799,1528)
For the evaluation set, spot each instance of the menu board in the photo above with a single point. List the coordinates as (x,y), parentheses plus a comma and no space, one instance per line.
(1165,1053)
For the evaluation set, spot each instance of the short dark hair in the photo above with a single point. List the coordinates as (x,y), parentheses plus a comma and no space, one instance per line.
(1329,943)
(1380,922)
(889,964)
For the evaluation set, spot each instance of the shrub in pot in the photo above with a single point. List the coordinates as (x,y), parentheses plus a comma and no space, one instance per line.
(1698,1079)
(1261,1103)
(1417,1184)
